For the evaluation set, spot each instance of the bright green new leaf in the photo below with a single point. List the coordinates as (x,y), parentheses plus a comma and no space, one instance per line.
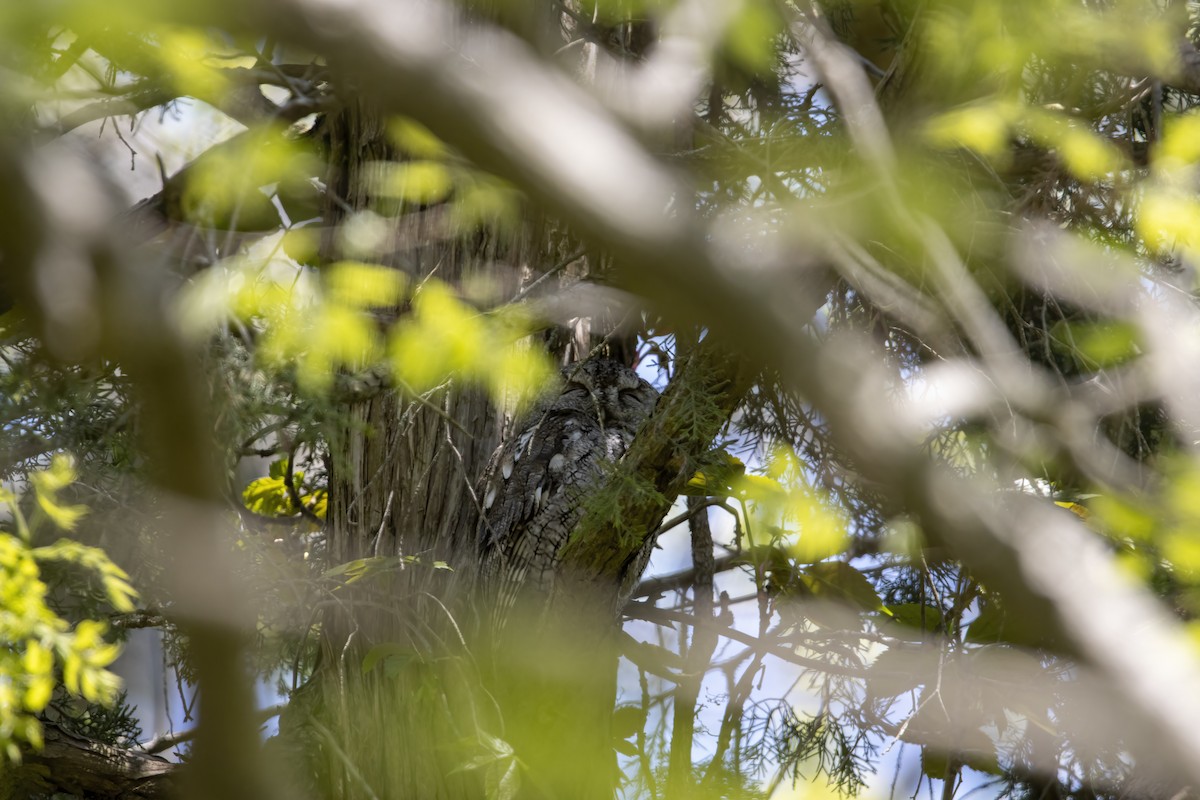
(822,531)
(337,337)
(359,285)
(750,40)
(47,485)
(317,502)
(418,182)
(231,185)
(442,337)
(1082,151)
(1086,155)
(1181,549)
(269,495)
(186,55)
(982,127)
(1168,218)
(914,618)
(414,138)
(718,480)
(1078,509)
(117,589)
(65,517)
(517,371)
(758,487)
(38,691)
(385,653)
(361,568)
(485,200)
(445,338)
(302,245)
(30,627)
(60,474)
(1123,519)
(1180,144)
(1097,345)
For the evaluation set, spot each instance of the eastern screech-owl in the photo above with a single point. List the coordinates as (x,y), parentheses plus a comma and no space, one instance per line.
(537,480)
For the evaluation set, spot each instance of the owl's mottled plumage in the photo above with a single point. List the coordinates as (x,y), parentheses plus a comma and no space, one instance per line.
(537,480)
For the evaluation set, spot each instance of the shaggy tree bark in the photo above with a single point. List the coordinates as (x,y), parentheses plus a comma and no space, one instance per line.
(79,766)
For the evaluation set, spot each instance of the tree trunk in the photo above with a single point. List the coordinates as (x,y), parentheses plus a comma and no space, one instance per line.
(405,696)
(395,684)
(408,701)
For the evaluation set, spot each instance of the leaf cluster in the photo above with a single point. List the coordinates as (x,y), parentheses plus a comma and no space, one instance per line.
(37,647)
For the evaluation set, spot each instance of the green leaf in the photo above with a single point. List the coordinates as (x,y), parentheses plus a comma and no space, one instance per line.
(361,568)
(988,627)
(935,762)
(58,476)
(717,480)
(982,127)
(502,779)
(1169,217)
(114,579)
(387,652)
(750,40)
(445,338)
(302,245)
(837,580)
(48,483)
(418,182)
(495,745)
(63,516)
(627,721)
(317,502)
(1097,345)
(625,748)
(269,497)
(483,200)
(908,619)
(362,285)
(414,138)
(982,759)
(898,670)
(45,642)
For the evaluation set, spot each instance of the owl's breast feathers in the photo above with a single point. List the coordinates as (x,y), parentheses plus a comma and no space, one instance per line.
(535,485)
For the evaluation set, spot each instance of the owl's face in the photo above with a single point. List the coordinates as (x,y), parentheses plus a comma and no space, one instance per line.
(620,395)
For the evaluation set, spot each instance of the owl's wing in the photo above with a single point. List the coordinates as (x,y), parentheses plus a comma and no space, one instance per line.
(532,498)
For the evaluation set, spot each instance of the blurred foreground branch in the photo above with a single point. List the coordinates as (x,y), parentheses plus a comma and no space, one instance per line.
(573,157)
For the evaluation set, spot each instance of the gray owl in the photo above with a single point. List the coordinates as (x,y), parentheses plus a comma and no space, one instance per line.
(535,485)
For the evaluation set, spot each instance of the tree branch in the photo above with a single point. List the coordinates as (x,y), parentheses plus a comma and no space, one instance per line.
(574,158)
(655,587)
(142,618)
(664,616)
(74,765)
